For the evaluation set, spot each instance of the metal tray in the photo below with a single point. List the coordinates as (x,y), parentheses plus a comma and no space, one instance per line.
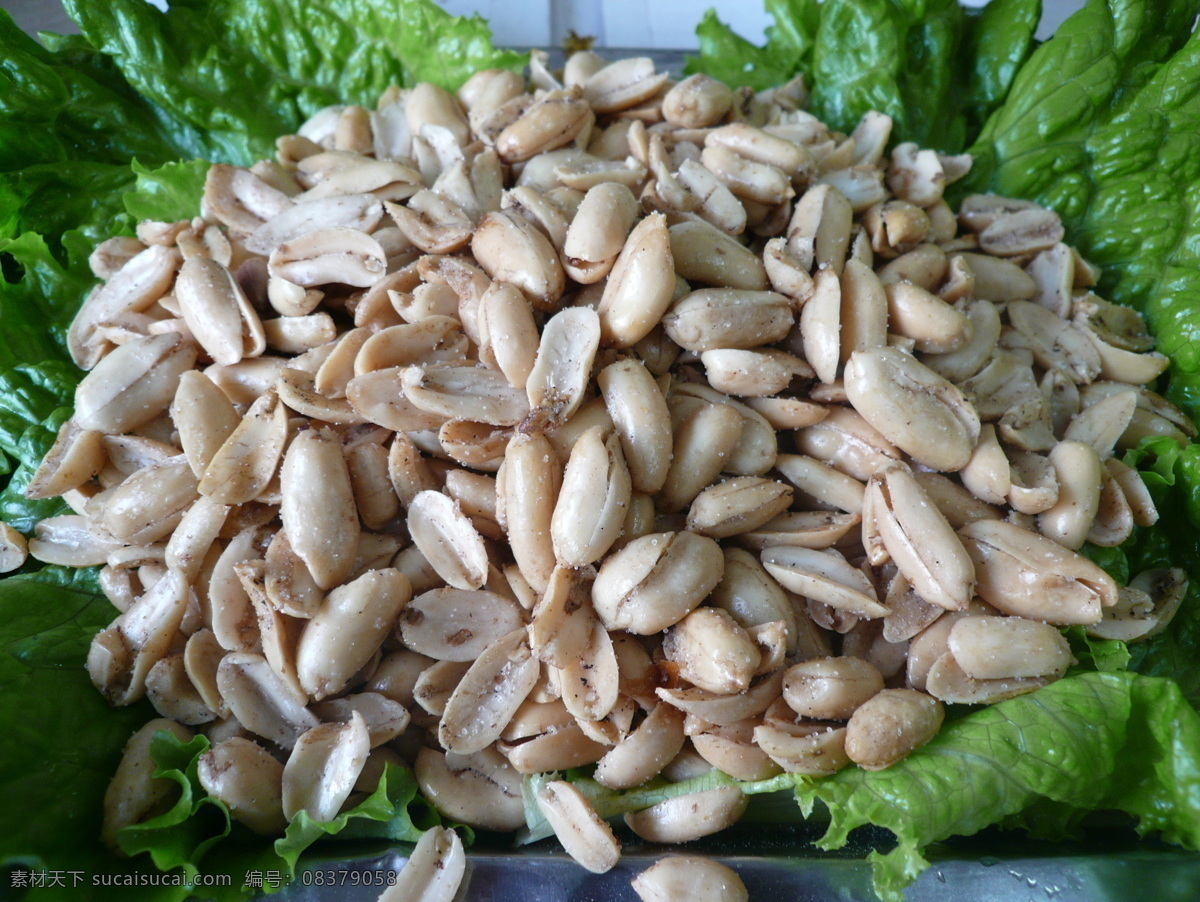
(779,862)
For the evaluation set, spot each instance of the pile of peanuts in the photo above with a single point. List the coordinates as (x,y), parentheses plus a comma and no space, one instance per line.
(628,422)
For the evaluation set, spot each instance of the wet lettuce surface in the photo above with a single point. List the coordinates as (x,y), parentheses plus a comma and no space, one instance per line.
(98,131)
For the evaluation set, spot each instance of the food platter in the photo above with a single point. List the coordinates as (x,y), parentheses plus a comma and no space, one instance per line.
(766,854)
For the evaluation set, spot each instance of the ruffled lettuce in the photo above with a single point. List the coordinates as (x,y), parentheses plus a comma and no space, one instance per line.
(938,70)
(1095,741)
(1173,476)
(240,73)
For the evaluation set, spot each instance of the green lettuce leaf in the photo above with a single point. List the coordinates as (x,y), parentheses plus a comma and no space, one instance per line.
(91,202)
(39,303)
(75,196)
(72,104)
(48,615)
(180,836)
(1092,653)
(39,294)
(394,811)
(60,742)
(1172,475)
(997,41)
(732,59)
(243,72)
(1157,774)
(34,402)
(936,69)
(167,194)
(35,398)
(1093,741)
(19,512)
(69,126)
(794,31)
(895,57)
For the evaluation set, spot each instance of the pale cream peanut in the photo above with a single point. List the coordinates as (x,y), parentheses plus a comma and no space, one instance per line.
(639,413)
(13,548)
(640,286)
(1022,573)
(75,457)
(918,538)
(592,501)
(461,392)
(656,580)
(134,791)
(481,789)
(508,336)
(510,249)
(690,816)
(322,768)
(697,102)
(248,780)
(138,284)
(149,504)
(217,311)
(804,748)
(724,710)
(330,255)
(457,624)
(738,505)
(448,540)
(318,510)
(598,231)
(825,576)
(914,407)
(133,384)
(434,871)
(890,725)
(712,651)
(714,318)
(244,463)
(703,253)
(561,627)
(678,877)
(347,628)
(261,700)
(589,684)
(563,366)
(489,693)
(830,688)
(528,493)
(587,838)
